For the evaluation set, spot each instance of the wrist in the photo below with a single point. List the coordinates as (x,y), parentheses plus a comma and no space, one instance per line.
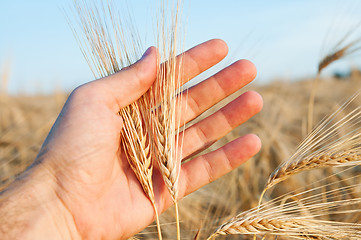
(30,209)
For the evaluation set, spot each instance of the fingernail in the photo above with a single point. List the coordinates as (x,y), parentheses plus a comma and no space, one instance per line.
(147,52)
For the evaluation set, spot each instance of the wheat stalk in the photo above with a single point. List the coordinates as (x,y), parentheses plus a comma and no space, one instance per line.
(343,48)
(300,215)
(345,159)
(4,79)
(151,126)
(166,103)
(337,54)
(335,142)
(108,52)
(295,228)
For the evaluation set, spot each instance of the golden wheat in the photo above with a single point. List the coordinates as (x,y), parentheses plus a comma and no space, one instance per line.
(345,47)
(279,125)
(108,52)
(106,58)
(303,215)
(167,104)
(151,129)
(335,142)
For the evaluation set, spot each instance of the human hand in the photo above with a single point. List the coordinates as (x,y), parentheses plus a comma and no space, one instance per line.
(88,176)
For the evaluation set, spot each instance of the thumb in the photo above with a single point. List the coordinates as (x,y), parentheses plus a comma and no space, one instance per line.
(129,84)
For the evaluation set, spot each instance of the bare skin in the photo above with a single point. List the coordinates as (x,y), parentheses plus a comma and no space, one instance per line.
(81,185)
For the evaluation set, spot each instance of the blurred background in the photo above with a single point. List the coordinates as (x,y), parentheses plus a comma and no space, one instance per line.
(41,62)
(285,39)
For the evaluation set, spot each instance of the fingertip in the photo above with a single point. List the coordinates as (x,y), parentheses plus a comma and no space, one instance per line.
(130,83)
(146,67)
(214,50)
(249,70)
(220,47)
(255,99)
(254,142)
(210,166)
(243,148)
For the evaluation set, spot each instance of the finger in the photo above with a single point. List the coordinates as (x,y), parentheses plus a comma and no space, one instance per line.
(200,58)
(209,167)
(204,133)
(209,92)
(193,62)
(129,84)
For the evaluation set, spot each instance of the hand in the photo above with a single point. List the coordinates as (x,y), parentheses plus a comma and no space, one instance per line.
(88,176)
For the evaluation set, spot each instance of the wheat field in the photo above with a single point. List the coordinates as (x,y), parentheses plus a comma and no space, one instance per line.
(305,183)
(282,124)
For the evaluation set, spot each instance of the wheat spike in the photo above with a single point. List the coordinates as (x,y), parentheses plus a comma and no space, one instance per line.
(166,104)
(107,50)
(137,149)
(151,127)
(345,159)
(294,228)
(335,142)
(300,215)
(338,54)
(345,47)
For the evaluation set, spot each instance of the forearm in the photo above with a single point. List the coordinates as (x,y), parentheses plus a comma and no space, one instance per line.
(30,209)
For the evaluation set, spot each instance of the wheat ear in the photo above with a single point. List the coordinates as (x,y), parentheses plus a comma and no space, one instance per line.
(137,148)
(341,50)
(166,105)
(295,228)
(107,50)
(300,215)
(335,142)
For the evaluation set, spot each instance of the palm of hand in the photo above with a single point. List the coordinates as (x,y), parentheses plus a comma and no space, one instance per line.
(95,181)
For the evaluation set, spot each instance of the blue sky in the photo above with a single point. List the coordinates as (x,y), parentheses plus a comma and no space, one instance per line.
(284,38)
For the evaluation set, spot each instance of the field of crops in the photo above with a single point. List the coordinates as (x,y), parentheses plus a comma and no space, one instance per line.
(282,124)
(136,134)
